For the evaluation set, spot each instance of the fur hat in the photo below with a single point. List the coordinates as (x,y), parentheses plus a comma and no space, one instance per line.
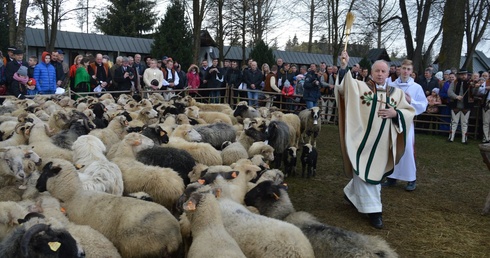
(22,71)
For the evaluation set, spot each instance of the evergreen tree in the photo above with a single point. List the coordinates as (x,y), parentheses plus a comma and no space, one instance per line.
(289,45)
(262,54)
(131,18)
(174,37)
(365,63)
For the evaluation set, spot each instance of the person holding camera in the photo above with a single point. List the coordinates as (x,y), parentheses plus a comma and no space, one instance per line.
(170,79)
(125,76)
(311,87)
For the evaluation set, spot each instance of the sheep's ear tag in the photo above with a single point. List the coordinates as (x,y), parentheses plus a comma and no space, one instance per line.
(234,174)
(54,246)
(217,193)
(79,166)
(190,206)
(275,196)
(201,181)
(137,142)
(63,210)
(162,133)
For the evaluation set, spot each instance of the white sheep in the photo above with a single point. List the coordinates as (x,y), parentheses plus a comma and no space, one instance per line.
(7,128)
(19,136)
(261,148)
(311,124)
(209,236)
(260,236)
(201,152)
(224,108)
(273,201)
(97,173)
(208,116)
(113,133)
(164,185)
(43,145)
(12,164)
(232,152)
(137,228)
(187,132)
(294,124)
(10,212)
(147,115)
(58,121)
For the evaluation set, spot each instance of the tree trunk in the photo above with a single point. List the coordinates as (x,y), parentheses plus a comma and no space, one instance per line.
(21,27)
(198,8)
(310,35)
(221,31)
(406,29)
(453,32)
(244,30)
(12,23)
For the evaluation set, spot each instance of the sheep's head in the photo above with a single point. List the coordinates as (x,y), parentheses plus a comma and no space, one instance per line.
(131,106)
(188,133)
(149,112)
(138,142)
(277,115)
(31,155)
(192,111)
(42,239)
(182,119)
(239,110)
(13,156)
(268,152)
(315,114)
(264,193)
(246,168)
(292,152)
(163,134)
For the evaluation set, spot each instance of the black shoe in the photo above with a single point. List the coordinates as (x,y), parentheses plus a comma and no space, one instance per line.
(376,220)
(411,186)
(389,182)
(348,200)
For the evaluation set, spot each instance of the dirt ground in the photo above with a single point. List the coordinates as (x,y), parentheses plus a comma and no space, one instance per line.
(441,218)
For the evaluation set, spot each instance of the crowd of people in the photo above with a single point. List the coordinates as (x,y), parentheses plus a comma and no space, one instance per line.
(267,85)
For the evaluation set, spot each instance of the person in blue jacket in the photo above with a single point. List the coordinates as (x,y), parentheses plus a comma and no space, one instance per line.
(45,75)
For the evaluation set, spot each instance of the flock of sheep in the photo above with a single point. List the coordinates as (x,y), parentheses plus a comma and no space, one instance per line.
(100,177)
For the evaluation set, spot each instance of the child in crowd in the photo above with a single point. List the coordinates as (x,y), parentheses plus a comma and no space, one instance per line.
(433,101)
(288,93)
(32,63)
(31,87)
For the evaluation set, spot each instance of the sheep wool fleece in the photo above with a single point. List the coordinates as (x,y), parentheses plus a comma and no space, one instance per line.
(371,146)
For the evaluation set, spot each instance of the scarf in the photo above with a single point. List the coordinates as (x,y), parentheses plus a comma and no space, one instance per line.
(82,76)
(22,80)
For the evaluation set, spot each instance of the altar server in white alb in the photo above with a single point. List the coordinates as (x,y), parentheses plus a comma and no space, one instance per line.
(406,169)
(374,120)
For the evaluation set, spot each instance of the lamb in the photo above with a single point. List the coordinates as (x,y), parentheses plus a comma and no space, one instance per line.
(156,133)
(209,116)
(99,110)
(327,241)
(187,132)
(164,185)
(167,157)
(208,233)
(260,236)
(290,160)
(310,124)
(232,152)
(294,124)
(217,133)
(113,133)
(261,148)
(58,121)
(97,173)
(309,157)
(136,228)
(264,112)
(43,145)
(202,152)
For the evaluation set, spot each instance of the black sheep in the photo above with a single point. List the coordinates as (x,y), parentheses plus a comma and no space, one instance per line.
(278,137)
(40,240)
(99,109)
(179,160)
(309,157)
(216,134)
(290,162)
(67,137)
(175,109)
(156,133)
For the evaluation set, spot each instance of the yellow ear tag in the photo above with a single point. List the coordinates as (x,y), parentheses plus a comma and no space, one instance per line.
(63,210)
(234,175)
(201,181)
(162,133)
(54,246)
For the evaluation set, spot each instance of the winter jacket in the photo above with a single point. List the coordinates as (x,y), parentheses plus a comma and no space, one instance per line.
(311,89)
(45,76)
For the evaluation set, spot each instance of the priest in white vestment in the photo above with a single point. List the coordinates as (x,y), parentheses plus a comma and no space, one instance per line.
(374,120)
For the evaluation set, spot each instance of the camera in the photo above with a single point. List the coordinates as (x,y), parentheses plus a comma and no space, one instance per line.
(170,80)
(131,74)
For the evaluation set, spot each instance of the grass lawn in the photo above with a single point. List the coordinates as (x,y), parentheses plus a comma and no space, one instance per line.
(441,218)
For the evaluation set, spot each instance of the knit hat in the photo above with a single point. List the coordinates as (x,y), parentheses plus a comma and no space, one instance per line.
(31,82)
(447,72)
(439,75)
(22,71)
(436,90)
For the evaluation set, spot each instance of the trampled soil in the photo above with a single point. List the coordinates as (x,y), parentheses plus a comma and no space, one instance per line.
(441,218)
